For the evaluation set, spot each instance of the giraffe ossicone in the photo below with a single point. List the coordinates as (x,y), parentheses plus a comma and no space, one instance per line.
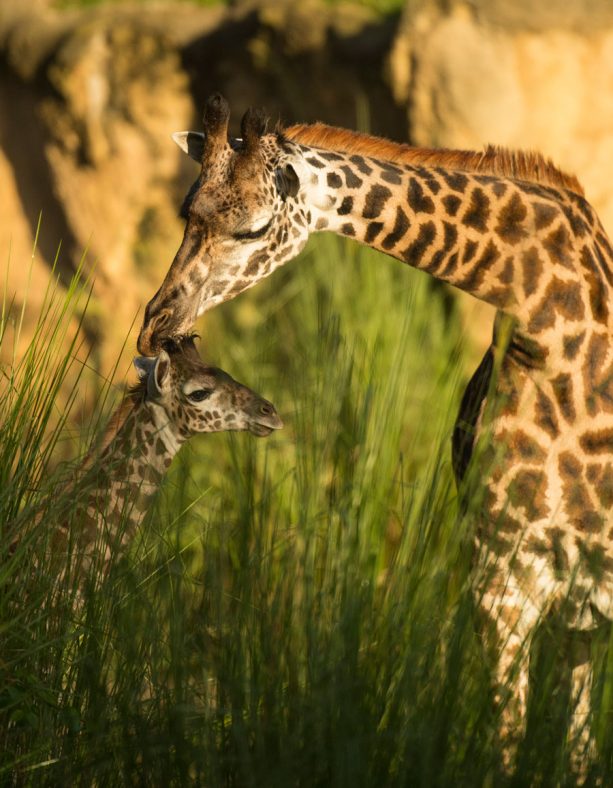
(505,226)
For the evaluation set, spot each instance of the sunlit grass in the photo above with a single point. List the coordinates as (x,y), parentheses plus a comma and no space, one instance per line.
(299,609)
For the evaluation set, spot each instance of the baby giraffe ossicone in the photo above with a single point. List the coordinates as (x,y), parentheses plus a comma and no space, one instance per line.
(177,396)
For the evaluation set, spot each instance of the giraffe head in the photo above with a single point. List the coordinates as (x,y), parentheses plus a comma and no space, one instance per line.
(244,217)
(199,398)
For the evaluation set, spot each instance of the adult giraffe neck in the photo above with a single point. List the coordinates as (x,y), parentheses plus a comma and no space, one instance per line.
(519,245)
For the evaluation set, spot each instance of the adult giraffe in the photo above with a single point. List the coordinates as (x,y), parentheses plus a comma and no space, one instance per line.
(510,229)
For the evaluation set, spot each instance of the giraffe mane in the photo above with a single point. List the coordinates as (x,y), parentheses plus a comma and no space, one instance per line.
(493,160)
(131,399)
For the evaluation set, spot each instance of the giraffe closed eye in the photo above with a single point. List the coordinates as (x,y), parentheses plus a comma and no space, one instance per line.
(250,235)
(199,395)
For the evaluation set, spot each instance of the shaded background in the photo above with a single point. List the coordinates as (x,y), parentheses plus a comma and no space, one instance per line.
(90,93)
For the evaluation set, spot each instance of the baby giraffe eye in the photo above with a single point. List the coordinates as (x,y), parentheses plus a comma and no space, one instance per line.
(199,394)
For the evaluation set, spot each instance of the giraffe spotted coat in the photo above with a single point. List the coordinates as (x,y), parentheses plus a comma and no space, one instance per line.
(510,229)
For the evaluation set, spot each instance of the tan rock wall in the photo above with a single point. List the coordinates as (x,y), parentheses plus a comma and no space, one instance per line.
(523,75)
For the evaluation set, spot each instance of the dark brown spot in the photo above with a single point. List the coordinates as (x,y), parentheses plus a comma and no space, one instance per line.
(601,478)
(597,441)
(498,297)
(455,180)
(594,557)
(545,415)
(314,162)
(544,214)
(415,251)
(603,256)
(418,201)
(511,220)
(598,375)
(345,207)
(470,248)
(255,261)
(372,231)
(599,296)
(532,268)
(451,266)
(572,344)
(361,164)
(527,491)
(506,275)
(527,448)
(577,224)
(478,211)
(559,247)
(563,391)
(474,279)
(348,229)
(451,203)
(508,524)
(351,179)
(527,351)
(560,297)
(375,201)
(401,225)
(391,176)
(429,180)
(450,236)
(334,180)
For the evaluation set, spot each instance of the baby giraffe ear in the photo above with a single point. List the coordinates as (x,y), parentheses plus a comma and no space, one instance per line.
(190,142)
(160,373)
(144,366)
(287,182)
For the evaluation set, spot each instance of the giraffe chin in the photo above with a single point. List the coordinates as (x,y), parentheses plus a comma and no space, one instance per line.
(260,430)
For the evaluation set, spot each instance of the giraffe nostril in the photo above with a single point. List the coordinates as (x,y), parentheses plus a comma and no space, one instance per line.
(266,409)
(161,320)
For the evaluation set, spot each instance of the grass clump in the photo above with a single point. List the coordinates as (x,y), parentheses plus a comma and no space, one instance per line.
(298,610)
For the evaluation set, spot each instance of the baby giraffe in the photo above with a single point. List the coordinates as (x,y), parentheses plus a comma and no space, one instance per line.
(176,397)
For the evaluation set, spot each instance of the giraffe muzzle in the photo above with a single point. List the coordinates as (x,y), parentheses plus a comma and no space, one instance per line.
(155,331)
(265,420)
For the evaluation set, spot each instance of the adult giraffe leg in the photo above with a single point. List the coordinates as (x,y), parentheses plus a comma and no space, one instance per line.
(581,742)
(512,620)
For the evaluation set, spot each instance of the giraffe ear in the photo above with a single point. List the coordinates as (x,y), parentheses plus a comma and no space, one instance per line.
(160,373)
(287,182)
(190,142)
(144,366)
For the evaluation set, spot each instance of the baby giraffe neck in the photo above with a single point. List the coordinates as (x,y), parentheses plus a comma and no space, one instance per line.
(117,482)
(139,458)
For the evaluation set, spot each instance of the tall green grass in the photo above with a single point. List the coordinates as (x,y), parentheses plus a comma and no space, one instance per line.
(298,610)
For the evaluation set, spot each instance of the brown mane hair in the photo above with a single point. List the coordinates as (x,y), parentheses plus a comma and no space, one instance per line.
(133,397)
(494,160)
